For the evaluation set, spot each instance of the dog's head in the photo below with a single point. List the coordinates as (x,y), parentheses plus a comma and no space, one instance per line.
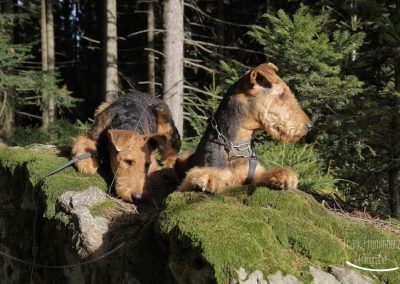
(272,105)
(132,159)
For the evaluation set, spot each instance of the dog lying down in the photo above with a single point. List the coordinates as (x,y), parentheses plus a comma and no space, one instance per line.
(125,134)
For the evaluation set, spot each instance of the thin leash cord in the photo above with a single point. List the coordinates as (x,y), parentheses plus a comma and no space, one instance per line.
(34,238)
(148,102)
(112,182)
(46,266)
(35,247)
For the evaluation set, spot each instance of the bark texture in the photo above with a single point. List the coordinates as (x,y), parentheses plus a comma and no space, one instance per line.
(111,51)
(173,61)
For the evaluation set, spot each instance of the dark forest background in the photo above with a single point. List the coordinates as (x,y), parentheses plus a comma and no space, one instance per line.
(59,59)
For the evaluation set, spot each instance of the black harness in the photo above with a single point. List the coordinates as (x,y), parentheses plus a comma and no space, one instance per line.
(252,168)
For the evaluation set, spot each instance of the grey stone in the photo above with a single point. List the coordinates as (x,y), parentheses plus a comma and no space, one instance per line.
(91,229)
(242,274)
(255,277)
(348,276)
(278,278)
(322,277)
(51,149)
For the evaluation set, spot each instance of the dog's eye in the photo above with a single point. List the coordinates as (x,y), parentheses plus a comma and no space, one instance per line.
(282,96)
(129,162)
(263,82)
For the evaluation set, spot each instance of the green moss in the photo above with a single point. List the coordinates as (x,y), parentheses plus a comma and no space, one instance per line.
(103,208)
(254,228)
(30,167)
(269,230)
(108,208)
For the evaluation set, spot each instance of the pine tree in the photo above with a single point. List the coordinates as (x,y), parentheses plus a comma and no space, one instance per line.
(21,86)
(310,60)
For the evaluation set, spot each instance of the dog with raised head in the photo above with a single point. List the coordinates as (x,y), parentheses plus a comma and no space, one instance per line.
(259,101)
(125,134)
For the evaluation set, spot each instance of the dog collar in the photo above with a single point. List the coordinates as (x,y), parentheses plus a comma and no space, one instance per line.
(243,150)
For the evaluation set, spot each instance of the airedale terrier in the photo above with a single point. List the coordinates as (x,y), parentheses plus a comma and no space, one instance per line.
(260,100)
(126,132)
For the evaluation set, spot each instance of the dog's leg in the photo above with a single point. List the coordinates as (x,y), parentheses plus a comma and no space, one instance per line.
(81,145)
(210,179)
(215,180)
(100,108)
(88,142)
(279,178)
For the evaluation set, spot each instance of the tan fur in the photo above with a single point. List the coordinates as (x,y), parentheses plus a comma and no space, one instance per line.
(100,108)
(215,180)
(81,145)
(131,155)
(270,106)
(132,159)
(164,127)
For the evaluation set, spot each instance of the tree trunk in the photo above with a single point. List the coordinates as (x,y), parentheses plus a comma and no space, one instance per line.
(45,65)
(354,27)
(48,58)
(111,51)
(394,171)
(7,110)
(50,54)
(151,26)
(173,60)
(220,27)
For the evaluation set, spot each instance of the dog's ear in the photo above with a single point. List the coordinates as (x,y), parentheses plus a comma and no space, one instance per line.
(264,75)
(155,141)
(119,138)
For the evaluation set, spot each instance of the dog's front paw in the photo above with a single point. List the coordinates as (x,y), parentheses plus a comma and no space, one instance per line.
(202,179)
(88,166)
(282,178)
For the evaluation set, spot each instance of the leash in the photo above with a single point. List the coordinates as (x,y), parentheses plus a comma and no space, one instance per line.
(84,156)
(235,150)
(35,245)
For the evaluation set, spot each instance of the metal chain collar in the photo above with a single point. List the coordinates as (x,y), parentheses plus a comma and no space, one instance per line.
(234,151)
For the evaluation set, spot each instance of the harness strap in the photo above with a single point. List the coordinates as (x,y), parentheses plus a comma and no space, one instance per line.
(252,169)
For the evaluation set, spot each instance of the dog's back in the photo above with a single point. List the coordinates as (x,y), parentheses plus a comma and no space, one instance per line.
(135,112)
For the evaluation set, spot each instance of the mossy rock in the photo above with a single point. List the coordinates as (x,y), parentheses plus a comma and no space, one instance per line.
(28,168)
(269,230)
(211,235)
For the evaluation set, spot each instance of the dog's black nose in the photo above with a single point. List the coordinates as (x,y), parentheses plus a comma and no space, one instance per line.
(137,195)
(310,125)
